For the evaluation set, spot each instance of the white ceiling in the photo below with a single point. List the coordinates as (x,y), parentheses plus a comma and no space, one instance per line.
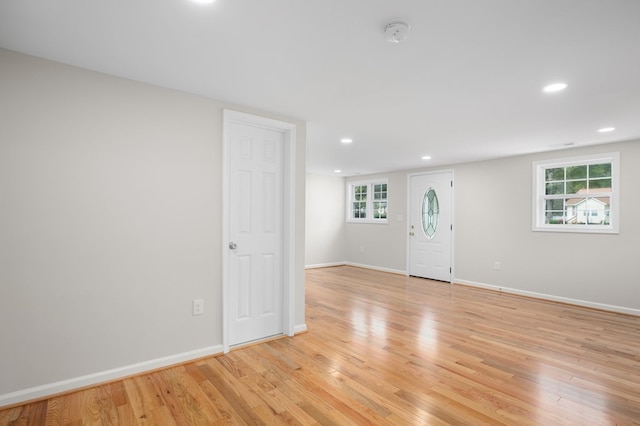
(466,84)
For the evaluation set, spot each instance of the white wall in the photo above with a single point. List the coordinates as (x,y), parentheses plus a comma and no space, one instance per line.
(492,222)
(110,225)
(325,213)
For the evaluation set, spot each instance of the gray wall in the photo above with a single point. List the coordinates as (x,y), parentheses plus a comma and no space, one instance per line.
(325,213)
(110,222)
(375,244)
(492,222)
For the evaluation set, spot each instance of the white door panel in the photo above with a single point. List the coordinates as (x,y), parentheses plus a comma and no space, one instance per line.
(256,165)
(430,225)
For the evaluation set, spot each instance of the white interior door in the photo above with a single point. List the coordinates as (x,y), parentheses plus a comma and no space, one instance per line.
(255,219)
(430,225)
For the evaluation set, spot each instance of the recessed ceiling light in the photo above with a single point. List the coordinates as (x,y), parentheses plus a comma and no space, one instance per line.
(426,157)
(346,140)
(606,129)
(555,87)
(203,1)
(337,171)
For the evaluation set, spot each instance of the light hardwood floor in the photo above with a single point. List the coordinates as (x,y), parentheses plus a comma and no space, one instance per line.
(385,349)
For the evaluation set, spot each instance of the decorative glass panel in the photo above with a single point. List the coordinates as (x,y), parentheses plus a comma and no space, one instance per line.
(430,213)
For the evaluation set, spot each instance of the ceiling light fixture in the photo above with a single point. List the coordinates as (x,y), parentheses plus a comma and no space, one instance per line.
(203,1)
(555,87)
(426,157)
(397,31)
(346,140)
(606,129)
(337,171)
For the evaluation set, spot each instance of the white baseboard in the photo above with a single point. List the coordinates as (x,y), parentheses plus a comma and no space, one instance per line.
(550,297)
(324,265)
(300,328)
(104,376)
(376,268)
(357,265)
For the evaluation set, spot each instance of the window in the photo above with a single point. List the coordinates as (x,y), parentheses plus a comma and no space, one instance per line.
(367,201)
(577,194)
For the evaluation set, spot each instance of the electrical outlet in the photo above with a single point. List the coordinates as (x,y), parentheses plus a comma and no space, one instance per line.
(496,265)
(198,306)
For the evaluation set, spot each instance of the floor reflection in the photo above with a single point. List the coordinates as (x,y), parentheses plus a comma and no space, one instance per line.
(369,321)
(428,337)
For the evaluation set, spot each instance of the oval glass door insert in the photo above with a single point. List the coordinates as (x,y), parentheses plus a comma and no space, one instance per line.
(430,213)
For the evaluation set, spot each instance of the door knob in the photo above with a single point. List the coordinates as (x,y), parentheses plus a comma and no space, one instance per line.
(233,245)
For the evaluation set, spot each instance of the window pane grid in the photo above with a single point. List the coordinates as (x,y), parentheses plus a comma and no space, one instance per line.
(380,203)
(359,210)
(359,205)
(380,210)
(577,194)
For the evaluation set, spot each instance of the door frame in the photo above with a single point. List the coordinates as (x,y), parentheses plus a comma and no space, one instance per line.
(289,212)
(453,228)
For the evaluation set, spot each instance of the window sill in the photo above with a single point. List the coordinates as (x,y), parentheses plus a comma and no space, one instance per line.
(573,229)
(369,221)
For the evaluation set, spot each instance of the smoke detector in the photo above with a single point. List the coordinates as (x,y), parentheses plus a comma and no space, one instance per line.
(397,31)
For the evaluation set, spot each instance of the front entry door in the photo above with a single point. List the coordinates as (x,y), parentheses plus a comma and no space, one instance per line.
(430,225)
(255,217)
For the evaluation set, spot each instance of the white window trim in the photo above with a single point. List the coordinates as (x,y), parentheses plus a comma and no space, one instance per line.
(538,192)
(369,212)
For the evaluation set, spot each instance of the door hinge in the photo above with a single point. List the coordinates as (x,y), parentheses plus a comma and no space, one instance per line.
(452,184)
(452,227)
(450,270)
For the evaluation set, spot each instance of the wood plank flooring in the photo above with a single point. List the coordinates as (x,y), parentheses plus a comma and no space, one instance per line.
(384,349)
